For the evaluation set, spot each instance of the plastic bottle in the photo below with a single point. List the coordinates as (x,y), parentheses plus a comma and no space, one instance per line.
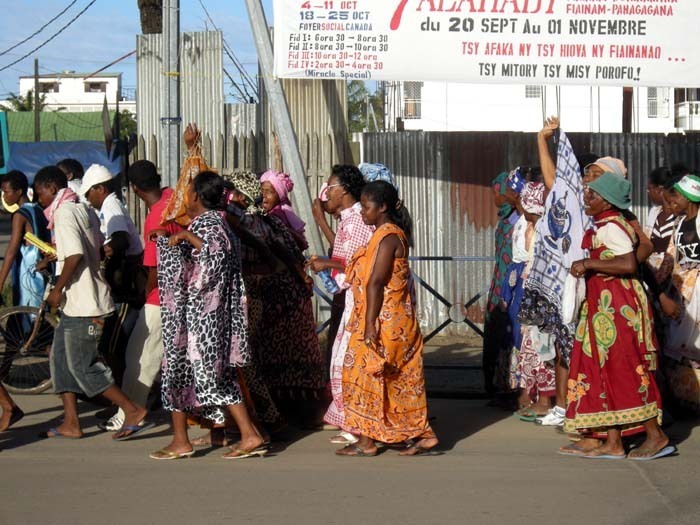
(328,281)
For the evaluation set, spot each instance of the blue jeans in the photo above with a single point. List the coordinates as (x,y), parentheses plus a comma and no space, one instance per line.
(76,365)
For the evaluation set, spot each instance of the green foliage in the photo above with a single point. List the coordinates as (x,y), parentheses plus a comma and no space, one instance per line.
(358,97)
(127,123)
(25,103)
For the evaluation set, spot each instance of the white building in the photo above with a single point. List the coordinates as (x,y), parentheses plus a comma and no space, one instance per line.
(447,106)
(76,92)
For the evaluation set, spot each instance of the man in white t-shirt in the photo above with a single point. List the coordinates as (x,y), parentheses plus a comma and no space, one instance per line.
(82,291)
(123,257)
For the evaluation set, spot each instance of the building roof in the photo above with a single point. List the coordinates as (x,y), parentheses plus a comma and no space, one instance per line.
(60,126)
(73,74)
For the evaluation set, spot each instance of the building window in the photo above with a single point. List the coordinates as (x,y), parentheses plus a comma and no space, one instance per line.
(658,101)
(533,91)
(95,87)
(48,87)
(412,94)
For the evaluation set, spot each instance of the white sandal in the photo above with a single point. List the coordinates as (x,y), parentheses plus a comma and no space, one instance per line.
(344,438)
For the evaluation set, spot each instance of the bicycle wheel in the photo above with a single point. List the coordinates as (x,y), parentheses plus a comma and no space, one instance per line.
(25,370)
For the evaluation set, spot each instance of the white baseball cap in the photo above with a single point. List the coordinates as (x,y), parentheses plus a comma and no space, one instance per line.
(95,174)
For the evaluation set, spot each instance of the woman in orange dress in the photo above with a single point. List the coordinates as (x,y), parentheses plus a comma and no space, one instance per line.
(383,383)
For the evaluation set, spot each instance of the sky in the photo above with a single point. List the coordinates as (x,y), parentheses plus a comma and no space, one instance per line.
(105,32)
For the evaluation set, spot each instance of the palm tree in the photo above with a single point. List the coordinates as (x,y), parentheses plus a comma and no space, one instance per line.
(151,12)
(25,103)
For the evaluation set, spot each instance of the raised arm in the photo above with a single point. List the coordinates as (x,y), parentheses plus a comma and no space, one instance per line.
(549,169)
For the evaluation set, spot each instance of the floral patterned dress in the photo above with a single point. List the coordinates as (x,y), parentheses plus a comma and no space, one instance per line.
(384,388)
(204,321)
(611,380)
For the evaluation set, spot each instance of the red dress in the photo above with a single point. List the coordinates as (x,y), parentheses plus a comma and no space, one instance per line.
(611,380)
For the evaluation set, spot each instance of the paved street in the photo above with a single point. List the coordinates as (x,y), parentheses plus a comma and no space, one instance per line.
(496,469)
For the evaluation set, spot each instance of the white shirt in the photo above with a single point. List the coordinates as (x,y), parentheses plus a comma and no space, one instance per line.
(77,232)
(615,239)
(115,218)
(520,251)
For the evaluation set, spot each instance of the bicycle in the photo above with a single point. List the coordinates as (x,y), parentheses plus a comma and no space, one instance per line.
(26,336)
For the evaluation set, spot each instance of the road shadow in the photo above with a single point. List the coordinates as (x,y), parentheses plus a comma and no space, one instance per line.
(454,422)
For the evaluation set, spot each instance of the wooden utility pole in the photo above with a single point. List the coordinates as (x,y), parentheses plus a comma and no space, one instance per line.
(37,103)
(283,123)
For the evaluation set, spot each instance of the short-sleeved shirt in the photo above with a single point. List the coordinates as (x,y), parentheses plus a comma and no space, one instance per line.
(615,239)
(688,243)
(352,234)
(659,232)
(115,218)
(77,232)
(150,251)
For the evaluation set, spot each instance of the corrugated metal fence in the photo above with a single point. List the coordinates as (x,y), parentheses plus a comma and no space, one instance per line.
(444,179)
(201,90)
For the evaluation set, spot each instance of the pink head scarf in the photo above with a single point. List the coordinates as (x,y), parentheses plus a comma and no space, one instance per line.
(63,195)
(283,185)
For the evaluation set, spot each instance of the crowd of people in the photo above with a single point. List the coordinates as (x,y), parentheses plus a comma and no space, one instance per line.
(590,321)
(215,300)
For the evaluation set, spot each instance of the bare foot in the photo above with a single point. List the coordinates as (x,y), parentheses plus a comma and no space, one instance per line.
(420,447)
(216,437)
(356,450)
(66,431)
(588,444)
(524,401)
(573,449)
(135,417)
(245,447)
(606,450)
(10,416)
(179,448)
(650,447)
(542,405)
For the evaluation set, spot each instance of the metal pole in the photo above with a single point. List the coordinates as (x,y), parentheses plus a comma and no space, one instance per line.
(283,123)
(171,120)
(37,103)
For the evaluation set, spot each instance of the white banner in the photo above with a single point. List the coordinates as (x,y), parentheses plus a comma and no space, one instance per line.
(591,42)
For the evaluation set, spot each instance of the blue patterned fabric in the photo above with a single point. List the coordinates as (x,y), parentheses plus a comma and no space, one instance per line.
(372,172)
(558,237)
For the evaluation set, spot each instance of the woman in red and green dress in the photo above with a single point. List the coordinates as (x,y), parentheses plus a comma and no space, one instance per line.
(611,387)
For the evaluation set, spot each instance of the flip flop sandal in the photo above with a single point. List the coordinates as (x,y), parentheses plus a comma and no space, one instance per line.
(339,439)
(359,453)
(603,456)
(133,430)
(167,454)
(242,454)
(54,433)
(572,449)
(528,414)
(422,451)
(668,450)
